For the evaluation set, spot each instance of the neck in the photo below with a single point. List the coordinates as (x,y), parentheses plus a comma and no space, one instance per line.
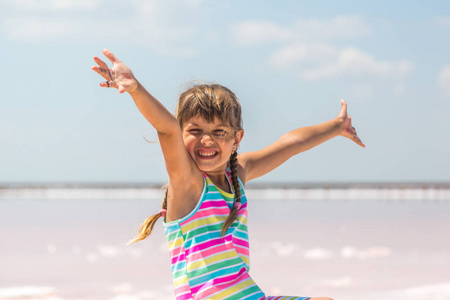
(220,180)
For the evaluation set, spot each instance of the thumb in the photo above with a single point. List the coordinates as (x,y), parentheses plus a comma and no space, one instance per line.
(343,111)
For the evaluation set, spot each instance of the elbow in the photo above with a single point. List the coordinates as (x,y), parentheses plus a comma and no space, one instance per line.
(169,128)
(291,140)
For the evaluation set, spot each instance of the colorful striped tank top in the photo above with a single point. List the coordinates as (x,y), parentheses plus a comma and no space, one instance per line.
(206,265)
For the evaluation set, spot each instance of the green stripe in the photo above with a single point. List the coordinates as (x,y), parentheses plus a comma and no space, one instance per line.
(214,267)
(245,292)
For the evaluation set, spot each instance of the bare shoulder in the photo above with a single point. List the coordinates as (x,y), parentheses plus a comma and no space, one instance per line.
(242,161)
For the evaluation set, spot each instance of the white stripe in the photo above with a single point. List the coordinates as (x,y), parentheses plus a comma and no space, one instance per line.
(215,262)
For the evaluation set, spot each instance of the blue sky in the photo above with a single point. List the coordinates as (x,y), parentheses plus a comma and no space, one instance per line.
(289,62)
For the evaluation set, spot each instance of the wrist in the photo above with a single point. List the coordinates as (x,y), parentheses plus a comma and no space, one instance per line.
(339,125)
(135,89)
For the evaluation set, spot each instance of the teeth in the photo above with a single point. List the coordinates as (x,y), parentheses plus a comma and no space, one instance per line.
(207,153)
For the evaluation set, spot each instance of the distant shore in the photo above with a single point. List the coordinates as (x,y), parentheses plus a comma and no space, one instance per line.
(251,185)
(275,191)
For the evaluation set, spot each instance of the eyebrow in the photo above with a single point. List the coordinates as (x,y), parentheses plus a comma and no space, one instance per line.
(195,124)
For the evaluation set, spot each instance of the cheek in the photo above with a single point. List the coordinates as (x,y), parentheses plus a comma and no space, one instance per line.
(227,146)
(189,143)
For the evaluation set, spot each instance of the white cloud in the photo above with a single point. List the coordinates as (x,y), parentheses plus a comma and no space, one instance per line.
(50,5)
(309,48)
(252,33)
(444,79)
(323,61)
(302,53)
(33,28)
(164,26)
(353,62)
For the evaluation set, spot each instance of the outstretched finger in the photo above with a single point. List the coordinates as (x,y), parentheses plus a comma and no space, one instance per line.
(343,111)
(357,140)
(110,56)
(102,72)
(100,63)
(108,84)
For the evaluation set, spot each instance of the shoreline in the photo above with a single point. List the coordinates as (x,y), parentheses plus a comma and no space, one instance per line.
(285,191)
(253,185)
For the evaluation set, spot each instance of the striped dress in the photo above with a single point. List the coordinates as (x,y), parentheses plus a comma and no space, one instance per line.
(206,265)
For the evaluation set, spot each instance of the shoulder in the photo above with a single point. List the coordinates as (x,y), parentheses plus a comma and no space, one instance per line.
(241,172)
(183,196)
(243,163)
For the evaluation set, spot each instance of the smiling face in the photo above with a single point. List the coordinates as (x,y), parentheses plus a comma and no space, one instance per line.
(210,144)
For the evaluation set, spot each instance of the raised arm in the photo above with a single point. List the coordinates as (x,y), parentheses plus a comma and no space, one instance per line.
(179,164)
(258,163)
(122,78)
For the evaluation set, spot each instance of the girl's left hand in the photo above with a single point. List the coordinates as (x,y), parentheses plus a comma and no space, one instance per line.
(347,129)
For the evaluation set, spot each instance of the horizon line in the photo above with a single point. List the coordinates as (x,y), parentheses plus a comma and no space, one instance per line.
(251,185)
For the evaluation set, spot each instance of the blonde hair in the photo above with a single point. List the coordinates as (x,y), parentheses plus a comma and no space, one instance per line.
(209,101)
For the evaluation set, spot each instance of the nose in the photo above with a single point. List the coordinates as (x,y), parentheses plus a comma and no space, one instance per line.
(207,139)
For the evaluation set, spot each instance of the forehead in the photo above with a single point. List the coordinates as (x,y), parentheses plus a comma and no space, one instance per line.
(199,121)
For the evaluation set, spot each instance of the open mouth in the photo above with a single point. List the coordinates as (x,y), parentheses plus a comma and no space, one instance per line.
(207,154)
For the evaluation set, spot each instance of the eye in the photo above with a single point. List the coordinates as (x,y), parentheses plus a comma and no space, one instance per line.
(194,131)
(220,133)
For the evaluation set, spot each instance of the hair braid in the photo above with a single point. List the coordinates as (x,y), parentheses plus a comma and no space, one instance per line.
(149,223)
(237,194)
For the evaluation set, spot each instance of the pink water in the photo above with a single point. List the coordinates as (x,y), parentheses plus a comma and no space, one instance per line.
(371,249)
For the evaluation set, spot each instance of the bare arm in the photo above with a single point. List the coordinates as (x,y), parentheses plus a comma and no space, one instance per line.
(258,163)
(180,167)
(122,78)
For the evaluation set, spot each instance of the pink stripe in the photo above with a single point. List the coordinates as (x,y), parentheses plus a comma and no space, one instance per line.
(242,251)
(209,204)
(218,281)
(206,253)
(179,258)
(210,213)
(203,246)
(184,297)
(175,251)
(182,289)
(242,243)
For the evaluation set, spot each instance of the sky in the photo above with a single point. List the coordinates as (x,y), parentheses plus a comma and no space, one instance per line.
(289,63)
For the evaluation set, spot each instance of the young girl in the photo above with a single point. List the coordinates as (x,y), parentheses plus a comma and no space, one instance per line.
(205,207)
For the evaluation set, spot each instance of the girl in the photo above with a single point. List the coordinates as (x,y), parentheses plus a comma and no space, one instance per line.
(205,207)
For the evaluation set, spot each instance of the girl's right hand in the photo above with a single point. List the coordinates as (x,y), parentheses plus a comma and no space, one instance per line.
(119,76)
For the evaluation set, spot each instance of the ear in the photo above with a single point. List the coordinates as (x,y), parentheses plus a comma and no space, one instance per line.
(238,138)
